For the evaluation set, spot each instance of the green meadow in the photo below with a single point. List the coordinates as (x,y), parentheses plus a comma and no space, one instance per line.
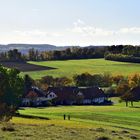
(115,122)
(87,123)
(116,116)
(70,67)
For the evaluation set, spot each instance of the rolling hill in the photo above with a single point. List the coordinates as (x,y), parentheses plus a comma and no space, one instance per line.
(70,67)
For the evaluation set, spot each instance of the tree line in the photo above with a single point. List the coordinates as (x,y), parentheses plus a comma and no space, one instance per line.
(12,55)
(69,53)
(123,53)
(126,53)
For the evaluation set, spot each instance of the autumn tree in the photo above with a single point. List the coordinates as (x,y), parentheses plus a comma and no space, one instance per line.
(134,80)
(55,82)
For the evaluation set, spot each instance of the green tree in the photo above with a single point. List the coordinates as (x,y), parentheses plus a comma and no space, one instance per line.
(11,91)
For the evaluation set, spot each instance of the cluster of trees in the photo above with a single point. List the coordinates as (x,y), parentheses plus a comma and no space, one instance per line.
(69,53)
(81,80)
(11,91)
(125,49)
(125,53)
(124,87)
(97,80)
(12,55)
(50,81)
(119,85)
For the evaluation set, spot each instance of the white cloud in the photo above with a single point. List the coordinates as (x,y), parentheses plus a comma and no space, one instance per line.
(84,29)
(131,30)
(79,34)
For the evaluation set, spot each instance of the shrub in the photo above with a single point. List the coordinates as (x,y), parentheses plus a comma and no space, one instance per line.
(122,58)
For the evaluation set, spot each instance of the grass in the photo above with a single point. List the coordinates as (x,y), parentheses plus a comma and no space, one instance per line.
(70,67)
(115,116)
(87,123)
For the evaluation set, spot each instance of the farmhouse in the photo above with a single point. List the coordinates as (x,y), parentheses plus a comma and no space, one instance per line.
(34,97)
(63,95)
(76,95)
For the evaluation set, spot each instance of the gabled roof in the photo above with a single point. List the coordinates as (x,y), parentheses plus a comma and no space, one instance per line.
(64,93)
(92,92)
(72,92)
(35,91)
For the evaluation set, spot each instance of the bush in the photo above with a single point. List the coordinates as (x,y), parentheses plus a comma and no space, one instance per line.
(122,58)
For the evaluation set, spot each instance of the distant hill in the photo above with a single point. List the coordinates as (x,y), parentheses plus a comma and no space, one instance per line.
(25,47)
(41,47)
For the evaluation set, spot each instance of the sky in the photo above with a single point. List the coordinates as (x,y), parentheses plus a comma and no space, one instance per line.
(70,22)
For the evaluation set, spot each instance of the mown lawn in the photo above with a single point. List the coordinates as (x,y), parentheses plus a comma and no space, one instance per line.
(70,67)
(87,123)
(116,116)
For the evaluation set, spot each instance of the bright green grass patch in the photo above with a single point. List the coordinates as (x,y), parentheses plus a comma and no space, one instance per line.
(87,123)
(114,116)
(70,67)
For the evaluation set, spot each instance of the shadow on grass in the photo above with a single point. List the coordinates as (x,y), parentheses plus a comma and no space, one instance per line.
(30,117)
(25,67)
(134,106)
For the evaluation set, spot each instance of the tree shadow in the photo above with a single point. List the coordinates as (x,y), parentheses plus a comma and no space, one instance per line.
(134,106)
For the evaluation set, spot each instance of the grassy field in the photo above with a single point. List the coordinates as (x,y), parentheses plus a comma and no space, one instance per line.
(87,123)
(71,67)
(116,116)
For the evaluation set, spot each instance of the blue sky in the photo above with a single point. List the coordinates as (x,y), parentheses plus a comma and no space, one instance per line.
(70,22)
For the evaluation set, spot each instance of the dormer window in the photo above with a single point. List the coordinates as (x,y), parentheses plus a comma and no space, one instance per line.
(52,95)
(80,94)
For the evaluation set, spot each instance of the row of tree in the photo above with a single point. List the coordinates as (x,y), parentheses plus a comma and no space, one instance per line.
(124,49)
(12,55)
(122,58)
(124,53)
(69,53)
